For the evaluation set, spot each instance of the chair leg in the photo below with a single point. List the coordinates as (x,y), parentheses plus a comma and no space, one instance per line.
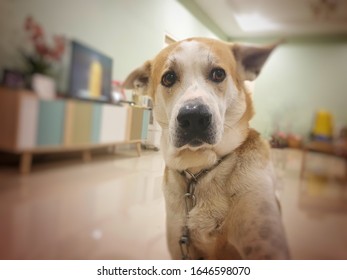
(303,163)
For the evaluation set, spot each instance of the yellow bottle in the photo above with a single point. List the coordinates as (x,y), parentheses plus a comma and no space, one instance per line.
(95,79)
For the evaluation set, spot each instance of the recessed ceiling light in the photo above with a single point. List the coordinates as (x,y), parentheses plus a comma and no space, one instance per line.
(255,22)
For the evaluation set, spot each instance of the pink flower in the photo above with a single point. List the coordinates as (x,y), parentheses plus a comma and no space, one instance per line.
(41,49)
(37,33)
(44,49)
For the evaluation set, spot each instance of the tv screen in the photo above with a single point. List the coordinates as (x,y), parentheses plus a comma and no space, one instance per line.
(90,73)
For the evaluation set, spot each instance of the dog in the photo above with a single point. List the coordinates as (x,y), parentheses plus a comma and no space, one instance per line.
(219,183)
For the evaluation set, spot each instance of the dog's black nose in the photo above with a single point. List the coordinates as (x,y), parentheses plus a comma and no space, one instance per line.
(194,117)
(194,125)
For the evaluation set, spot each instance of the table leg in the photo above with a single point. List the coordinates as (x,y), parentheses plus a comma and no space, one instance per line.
(138,147)
(86,156)
(25,163)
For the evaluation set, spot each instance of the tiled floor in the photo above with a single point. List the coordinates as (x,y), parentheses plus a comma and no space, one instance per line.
(112,208)
(314,210)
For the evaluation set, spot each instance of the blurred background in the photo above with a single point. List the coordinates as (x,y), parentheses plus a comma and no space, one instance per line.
(80,160)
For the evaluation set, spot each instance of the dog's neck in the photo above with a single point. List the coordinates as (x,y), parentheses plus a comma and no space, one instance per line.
(195,161)
(196,173)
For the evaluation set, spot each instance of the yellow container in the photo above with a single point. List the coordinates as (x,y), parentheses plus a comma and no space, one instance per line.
(323,125)
(95,79)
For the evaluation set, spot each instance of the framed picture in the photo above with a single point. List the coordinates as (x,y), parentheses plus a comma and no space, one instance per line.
(13,79)
(90,73)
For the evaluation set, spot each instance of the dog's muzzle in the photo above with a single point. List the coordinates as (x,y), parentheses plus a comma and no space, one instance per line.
(194,125)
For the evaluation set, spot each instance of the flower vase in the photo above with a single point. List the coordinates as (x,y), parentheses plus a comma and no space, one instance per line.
(43,86)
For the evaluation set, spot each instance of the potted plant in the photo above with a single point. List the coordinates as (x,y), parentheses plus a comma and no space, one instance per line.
(43,54)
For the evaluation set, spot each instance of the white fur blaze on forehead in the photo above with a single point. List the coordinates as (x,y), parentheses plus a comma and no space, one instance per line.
(189,52)
(191,47)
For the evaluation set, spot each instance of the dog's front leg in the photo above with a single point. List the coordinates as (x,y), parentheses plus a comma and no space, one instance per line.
(256,228)
(173,232)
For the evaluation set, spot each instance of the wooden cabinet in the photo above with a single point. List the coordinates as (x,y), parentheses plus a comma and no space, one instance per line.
(30,126)
(50,123)
(18,115)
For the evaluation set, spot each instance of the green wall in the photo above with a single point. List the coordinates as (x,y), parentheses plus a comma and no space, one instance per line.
(299,78)
(130,31)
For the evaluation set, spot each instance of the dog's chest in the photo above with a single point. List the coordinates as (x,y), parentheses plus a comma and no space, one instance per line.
(206,220)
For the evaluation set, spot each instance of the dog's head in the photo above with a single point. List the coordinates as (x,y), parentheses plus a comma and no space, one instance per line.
(199,97)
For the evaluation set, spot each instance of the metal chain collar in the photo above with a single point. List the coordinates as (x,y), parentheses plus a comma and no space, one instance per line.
(190,202)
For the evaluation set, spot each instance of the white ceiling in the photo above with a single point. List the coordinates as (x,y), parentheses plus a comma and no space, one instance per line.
(277,17)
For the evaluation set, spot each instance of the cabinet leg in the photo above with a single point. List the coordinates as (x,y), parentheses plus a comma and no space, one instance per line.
(25,163)
(138,148)
(86,156)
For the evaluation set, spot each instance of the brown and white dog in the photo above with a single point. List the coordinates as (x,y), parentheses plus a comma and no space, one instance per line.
(219,181)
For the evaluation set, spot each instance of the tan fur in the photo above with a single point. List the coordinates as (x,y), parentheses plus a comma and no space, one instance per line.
(236,215)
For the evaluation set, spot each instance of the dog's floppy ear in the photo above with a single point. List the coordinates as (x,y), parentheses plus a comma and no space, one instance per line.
(139,78)
(250,59)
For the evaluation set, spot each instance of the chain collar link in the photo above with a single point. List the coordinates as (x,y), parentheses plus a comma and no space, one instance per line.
(190,202)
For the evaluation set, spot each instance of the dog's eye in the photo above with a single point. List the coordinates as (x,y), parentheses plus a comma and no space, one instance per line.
(217,75)
(168,79)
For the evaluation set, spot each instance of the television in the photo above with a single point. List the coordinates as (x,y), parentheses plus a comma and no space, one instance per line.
(90,74)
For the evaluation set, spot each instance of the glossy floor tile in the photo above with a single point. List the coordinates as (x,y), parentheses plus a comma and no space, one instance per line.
(107,209)
(314,209)
(113,208)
